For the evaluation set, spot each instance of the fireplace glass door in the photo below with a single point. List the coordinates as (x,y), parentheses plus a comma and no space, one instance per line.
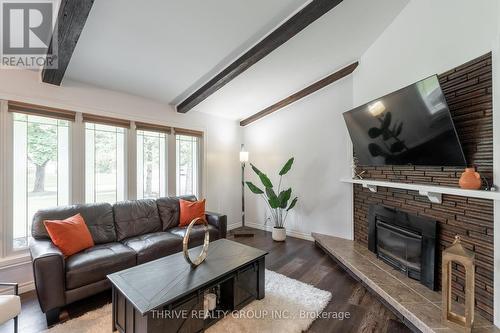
(401,248)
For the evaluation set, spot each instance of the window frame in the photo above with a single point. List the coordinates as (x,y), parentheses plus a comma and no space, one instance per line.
(199,163)
(60,173)
(164,185)
(7,185)
(125,162)
(7,249)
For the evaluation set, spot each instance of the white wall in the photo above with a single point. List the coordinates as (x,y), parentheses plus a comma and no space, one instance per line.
(311,130)
(222,141)
(428,37)
(431,37)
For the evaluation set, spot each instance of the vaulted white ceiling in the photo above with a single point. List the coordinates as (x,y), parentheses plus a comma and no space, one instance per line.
(166,49)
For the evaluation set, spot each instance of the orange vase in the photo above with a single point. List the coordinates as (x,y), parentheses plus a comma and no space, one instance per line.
(470,179)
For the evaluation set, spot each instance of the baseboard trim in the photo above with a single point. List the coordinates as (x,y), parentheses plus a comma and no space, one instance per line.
(27,286)
(233,225)
(23,288)
(15,261)
(291,233)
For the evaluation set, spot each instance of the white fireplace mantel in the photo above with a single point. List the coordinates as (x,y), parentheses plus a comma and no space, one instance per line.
(434,193)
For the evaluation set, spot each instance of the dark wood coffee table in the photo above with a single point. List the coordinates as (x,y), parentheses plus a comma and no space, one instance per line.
(166,295)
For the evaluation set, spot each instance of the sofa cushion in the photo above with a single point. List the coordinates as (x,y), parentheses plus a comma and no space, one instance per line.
(137,217)
(190,211)
(93,264)
(169,210)
(70,235)
(98,218)
(153,246)
(197,234)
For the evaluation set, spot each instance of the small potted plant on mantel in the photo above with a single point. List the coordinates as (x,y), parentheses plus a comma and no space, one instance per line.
(277,202)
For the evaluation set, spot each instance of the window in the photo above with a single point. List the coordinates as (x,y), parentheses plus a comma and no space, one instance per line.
(104,163)
(151,164)
(56,157)
(187,170)
(40,170)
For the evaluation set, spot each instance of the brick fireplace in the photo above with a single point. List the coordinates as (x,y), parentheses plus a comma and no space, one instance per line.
(468,91)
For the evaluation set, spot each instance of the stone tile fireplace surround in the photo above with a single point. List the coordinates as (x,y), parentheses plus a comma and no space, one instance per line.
(468,91)
(413,303)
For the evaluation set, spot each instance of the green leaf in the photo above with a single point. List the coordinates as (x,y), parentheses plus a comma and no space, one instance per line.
(292,204)
(265,181)
(42,143)
(263,177)
(254,168)
(273,198)
(283,198)
(286,167)
(254,188)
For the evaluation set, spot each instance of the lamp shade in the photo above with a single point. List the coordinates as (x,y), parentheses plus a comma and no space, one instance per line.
(377,108)
(243,156)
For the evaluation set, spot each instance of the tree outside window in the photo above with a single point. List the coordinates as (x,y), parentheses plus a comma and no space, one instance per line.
(41,169)
(42,148)
(151,164)
(104,163)
(187,164)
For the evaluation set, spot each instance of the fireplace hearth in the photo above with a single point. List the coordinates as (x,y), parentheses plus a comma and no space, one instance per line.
(406,242)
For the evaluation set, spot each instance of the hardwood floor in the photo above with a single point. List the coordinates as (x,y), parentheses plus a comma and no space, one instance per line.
(302,260)
(295,258)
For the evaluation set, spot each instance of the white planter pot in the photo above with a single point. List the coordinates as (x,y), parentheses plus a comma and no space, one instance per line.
(279,234)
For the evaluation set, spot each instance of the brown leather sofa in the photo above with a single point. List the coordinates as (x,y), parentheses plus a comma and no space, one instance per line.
(126,234)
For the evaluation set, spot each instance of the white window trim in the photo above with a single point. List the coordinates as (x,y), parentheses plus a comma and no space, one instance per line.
(77,174)
(77,161)
(5,203)
(201,168)
(8,150)
(131,163)
(171,165)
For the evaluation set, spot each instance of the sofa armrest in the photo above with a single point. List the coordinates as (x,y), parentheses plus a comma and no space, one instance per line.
(13,285)
(48,270)
(219,221)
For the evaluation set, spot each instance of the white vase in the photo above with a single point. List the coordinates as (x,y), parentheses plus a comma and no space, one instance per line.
(279,234)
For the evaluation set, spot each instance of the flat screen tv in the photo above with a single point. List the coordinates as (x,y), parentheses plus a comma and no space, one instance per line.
(411,126)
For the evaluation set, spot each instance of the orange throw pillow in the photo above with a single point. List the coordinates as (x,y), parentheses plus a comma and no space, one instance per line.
(70,235)
(189,210)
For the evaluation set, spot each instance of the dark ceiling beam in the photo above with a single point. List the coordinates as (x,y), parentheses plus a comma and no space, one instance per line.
(70,22)
(301,94)
(275,39)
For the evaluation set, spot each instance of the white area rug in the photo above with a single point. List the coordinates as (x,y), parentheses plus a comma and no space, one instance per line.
(289,306)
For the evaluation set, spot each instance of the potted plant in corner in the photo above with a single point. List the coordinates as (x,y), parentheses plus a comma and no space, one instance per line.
(277,202)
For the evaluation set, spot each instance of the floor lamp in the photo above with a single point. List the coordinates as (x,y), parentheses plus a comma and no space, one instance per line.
(243,231)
